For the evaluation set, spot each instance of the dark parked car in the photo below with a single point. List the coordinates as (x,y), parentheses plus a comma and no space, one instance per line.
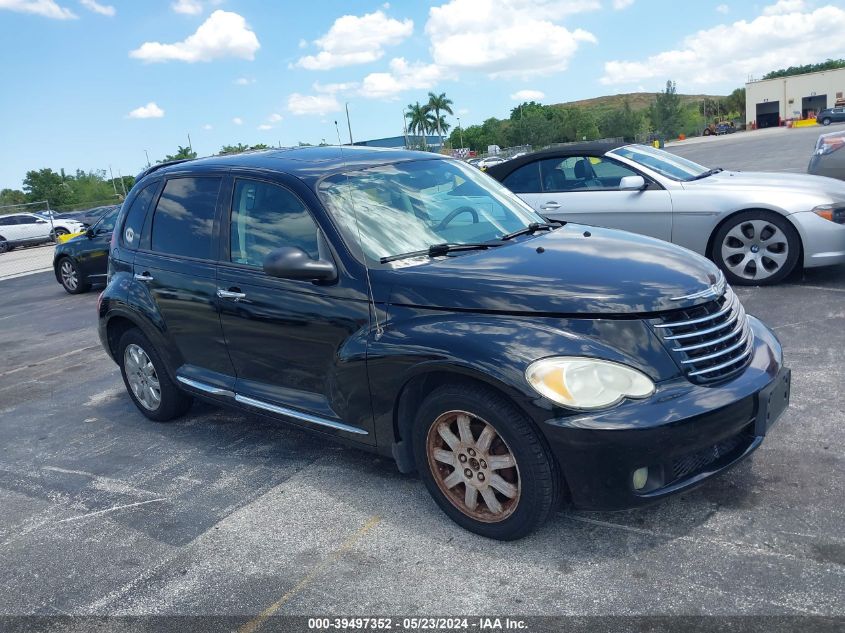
(828,159)
(83,260)
(89,217)
(410,305)
(831,115)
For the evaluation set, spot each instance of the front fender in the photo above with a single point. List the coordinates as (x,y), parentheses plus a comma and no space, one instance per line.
(496,350)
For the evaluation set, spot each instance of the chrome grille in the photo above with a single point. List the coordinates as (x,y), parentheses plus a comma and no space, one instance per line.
(711,342)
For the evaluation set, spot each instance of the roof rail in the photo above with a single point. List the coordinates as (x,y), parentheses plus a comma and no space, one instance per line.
(158,166)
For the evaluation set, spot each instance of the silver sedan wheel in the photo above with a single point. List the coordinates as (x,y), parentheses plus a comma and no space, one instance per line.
(142,377)
(68,273)
(755,249)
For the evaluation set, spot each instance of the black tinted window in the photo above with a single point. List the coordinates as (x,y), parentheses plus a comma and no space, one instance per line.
(265,217)
(106,223)
(184,217)
(526,179)
(131,234)
(7,221)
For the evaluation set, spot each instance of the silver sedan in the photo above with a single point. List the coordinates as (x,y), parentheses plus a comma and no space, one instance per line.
(758,227)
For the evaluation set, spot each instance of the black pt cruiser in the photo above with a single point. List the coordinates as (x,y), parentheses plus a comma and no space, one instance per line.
(410,304)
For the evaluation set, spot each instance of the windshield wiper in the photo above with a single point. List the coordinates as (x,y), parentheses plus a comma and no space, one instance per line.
(528,230)
(709,172)
(437,250)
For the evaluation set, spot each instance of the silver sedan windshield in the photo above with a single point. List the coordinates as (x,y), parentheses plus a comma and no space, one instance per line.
(663,163)
(411,206)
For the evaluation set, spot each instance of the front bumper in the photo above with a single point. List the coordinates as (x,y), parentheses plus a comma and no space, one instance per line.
(684,434)
(823,240)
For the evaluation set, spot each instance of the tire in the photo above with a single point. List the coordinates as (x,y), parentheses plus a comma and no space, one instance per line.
(54,234)
(134,352)
(756,248)
(5,247)
(825,121)
(70,278)
(526,492)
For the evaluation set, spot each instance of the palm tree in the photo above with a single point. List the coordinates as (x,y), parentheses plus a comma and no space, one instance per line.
(419,119)
(437,104)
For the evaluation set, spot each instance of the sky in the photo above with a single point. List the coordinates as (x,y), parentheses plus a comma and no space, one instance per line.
(93,84)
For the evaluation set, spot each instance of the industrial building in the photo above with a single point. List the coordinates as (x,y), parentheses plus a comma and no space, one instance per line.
(770,102)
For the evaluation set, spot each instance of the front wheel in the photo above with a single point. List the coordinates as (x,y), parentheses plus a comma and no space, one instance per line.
(483,462)
(147,381)
(756,248)
(55,233)
(825,121)
(71,279)
(5,247)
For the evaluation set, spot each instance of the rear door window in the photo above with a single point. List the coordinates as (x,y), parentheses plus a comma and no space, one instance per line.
(526,179)
(183,222)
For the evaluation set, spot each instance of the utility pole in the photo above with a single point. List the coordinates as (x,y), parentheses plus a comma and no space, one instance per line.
(122,184)
(148,157)
(348,124)
(190,147)
(114,186)
(405,128)
(461,132)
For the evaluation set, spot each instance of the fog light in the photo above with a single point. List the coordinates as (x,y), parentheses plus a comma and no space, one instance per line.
(640,478)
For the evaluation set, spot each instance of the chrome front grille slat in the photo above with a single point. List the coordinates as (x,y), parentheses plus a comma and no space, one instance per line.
(711,342)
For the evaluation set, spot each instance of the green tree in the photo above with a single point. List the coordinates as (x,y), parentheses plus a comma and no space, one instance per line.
(527,107)
(45,184)
(420,120)
(234,149)
(666,112)
(181,154)
(438,104)
(624,122)
(12,196)
(829,64)
(736,102)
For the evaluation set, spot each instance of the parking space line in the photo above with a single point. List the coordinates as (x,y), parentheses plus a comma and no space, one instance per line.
(258,621)
(107,510)
(49,360)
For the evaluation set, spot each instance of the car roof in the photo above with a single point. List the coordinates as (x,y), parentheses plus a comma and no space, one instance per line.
(592,148)
(307,163)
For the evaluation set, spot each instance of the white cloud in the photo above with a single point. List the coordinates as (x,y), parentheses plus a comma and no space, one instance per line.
(244,81)
(208,127)
(96,7)
(335,88)
(782,7)
(731,52)
(723,8)
(223,34)
(402,76)
(238,120)
(622,4)
(312,104)
(45,8)
(506,37)
(356,40)
(265,126)
(275,118)
(149,111)
(528,95)
(188,7)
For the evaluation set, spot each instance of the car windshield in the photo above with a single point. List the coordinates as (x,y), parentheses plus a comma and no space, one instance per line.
(411,206)
(664,163)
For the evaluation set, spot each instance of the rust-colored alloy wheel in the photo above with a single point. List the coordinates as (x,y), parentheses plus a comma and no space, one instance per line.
(473,466)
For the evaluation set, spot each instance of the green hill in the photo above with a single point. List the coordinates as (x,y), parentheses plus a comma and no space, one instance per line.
(638,101)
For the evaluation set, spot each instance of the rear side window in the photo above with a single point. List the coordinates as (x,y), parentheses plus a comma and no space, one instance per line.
(7,221)
(134,222)
(526,179)
(265,217)
(106,223)
(183,222)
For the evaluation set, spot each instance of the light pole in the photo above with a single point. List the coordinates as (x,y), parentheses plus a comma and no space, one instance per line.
(461,132)
(148,157)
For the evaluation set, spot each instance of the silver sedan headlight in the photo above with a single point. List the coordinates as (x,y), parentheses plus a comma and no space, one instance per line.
(587,383)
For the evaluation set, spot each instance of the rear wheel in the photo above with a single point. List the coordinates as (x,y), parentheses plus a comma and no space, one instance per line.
(5,247)
(484,463)
(825,121)
(70,277)
(756,248)
(147,381)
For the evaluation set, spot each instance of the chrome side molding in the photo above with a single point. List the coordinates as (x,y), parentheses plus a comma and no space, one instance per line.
(214,391)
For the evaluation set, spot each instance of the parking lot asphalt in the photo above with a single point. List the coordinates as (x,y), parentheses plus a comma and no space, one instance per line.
(105,512)
(773,149)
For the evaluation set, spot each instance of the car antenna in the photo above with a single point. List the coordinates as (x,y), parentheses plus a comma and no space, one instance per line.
(379,330)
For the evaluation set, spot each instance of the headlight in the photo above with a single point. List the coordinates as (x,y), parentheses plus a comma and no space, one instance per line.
(831,212)
(586,383)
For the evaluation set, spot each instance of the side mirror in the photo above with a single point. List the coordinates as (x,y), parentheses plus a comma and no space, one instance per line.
(632,183)
(89,233)
(290,262)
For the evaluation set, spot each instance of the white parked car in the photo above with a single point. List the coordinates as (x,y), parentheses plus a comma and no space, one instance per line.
(28,229)
(488,162)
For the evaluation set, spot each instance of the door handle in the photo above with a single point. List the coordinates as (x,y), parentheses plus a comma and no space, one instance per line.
(550,206)
(145,276)
(231,294)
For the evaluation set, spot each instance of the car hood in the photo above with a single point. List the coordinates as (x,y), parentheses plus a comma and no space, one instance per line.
(573,270)
(754,180)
